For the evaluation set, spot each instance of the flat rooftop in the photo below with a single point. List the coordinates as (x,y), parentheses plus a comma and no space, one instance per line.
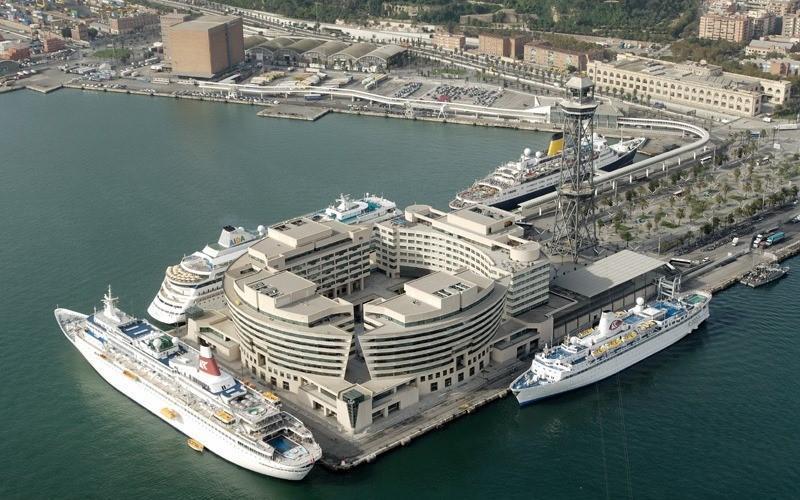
(707,75)
(607,273)
(203,23)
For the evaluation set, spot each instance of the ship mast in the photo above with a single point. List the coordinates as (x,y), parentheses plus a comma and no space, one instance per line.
(110,303)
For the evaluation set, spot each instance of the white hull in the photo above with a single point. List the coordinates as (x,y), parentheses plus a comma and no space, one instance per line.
(172,312)
(187,420)
(613,365)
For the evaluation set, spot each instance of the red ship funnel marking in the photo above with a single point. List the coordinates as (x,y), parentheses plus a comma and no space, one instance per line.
(207,363)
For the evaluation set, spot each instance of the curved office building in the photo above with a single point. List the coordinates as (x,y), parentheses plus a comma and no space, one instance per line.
(438,331)
(357,345)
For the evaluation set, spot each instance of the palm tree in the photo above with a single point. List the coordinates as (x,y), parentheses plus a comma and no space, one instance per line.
(680,214)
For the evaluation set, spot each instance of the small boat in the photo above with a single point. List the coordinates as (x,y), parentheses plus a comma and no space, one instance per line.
(195,445)
(168,413)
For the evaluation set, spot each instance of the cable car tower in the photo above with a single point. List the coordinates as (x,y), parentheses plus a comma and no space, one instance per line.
(574,229)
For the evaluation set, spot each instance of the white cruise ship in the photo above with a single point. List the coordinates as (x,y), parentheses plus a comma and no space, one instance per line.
(620,340)
(188,390)
(534,175)
(370,208)
(196,282)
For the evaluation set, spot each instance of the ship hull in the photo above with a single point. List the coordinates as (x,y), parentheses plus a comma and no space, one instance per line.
(186,421)
(514,202)
(612,366)
(168,313)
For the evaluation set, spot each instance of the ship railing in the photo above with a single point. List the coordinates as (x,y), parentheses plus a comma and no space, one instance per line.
(184,399)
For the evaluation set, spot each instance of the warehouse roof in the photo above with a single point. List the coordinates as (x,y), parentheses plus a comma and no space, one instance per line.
(607,273)
(385,52)
(356,50)
(330,47)
(304,44)
(277,43)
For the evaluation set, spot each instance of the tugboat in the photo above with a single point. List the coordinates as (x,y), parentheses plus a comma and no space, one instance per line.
(763,273)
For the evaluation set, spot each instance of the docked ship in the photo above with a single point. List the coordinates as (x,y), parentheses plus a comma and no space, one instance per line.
(196,281)
(763,274)
(620,340)
(537,174)
(369,209)
(187,389)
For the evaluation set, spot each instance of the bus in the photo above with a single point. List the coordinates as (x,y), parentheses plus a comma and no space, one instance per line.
(681,262)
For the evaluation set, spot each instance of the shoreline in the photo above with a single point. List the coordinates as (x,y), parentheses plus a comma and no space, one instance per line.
(484,394)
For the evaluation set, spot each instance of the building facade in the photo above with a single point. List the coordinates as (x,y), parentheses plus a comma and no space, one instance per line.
(449,41)
(130,24)
(765,47)
(166,22)
(494,45)
(541,54)
(80,32)
(694,85)
(791,26)
(735,29)
(205,47)
(53,44)
(359,322)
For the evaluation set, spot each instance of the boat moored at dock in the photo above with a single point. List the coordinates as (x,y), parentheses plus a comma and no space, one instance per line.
(537,174)
(762,274)
(620,340)
(186,388)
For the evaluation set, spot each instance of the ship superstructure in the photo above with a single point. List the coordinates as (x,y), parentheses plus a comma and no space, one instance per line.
(370,208)
(196,281)
(186,388)
(620,340)
(535,174)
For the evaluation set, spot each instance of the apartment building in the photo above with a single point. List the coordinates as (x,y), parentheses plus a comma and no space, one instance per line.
(735,28)
(449,41)
(542,54)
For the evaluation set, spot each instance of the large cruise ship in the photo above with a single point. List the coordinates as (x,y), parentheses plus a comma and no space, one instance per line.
(187,389)
(620,340)
(536,174)
(196,281)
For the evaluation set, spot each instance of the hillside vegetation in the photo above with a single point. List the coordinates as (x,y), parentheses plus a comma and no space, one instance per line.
(637,19)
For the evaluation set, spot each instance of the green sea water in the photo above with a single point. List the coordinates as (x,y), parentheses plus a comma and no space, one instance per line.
(98,189)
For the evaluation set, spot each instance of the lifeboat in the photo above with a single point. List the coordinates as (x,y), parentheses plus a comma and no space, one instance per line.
(195,445)
(224,417)
(629,337)
(271,397)
(168,413)
(130,375)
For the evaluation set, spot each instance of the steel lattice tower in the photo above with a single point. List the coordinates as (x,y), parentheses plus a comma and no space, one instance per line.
(574,229)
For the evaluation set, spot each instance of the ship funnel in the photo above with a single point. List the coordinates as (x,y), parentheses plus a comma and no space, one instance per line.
(206,362)
(605,322)
(556,144)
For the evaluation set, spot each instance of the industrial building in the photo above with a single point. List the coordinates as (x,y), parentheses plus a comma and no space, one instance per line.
(205,47)
(358,322)
(166,22)
(691,84)
(368,57)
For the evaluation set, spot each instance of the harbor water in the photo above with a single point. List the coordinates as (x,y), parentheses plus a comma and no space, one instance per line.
(98,189)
